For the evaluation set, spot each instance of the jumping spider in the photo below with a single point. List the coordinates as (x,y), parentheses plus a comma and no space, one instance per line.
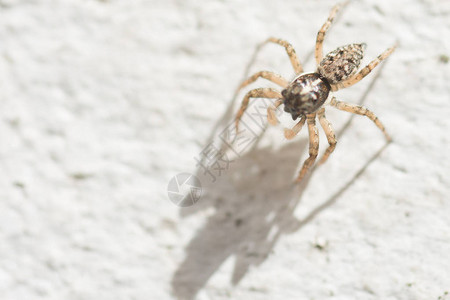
(307,94)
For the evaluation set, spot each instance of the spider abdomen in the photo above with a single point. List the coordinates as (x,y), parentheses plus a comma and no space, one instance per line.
(305,94)
(341,63)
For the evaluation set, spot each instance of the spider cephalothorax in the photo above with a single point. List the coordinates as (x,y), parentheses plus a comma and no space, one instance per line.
(305,94)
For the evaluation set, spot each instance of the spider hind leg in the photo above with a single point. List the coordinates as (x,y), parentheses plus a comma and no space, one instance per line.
(360,110)
(324,29)
(364,71)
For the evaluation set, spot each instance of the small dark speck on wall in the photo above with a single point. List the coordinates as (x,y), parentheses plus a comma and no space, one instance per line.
(443,58)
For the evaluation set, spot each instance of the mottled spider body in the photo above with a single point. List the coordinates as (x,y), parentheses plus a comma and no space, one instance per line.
(306,95)
(341,63)
(308,92)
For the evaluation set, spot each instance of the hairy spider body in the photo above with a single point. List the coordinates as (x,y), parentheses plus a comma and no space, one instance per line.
(306,95)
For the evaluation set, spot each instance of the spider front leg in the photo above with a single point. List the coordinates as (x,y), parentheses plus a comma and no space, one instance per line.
(364,71)
(360,110)
(271,76)
(323,30)
(295,62)
(256,93)
(331,137)
(313,146)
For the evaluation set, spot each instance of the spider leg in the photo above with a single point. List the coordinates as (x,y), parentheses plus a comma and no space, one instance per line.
(313,146)
(276,78)
(271,117)
(323,30)
(256,93)
(360,110)
(290,52)
(364,71)
(331,137)
(290,133)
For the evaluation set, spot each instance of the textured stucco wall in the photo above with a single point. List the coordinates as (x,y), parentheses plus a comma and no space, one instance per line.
(103,102)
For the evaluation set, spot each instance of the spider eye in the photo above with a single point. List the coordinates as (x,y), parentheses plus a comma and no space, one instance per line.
(284,93)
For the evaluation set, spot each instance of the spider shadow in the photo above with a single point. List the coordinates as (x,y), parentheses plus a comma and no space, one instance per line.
(249,207)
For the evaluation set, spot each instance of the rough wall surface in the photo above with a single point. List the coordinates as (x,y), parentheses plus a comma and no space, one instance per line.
(103,102)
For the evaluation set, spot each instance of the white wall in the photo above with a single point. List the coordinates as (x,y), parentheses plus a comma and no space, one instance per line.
(103,102)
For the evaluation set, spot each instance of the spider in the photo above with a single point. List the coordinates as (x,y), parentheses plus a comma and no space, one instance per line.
(306,95)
